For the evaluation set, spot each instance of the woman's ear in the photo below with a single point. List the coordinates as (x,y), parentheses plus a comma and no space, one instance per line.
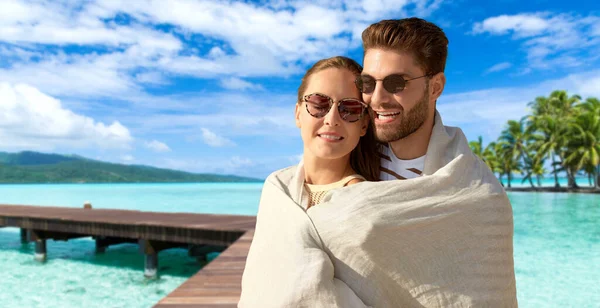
(365,126)
(297,116)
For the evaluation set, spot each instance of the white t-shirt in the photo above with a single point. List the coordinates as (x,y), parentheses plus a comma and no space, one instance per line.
(393,168)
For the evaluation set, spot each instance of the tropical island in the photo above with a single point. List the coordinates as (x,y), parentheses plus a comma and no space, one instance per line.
(561,132)
(33,168)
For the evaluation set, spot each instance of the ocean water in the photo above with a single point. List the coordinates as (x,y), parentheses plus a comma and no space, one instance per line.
(557,249)
(215,198)
(556,246)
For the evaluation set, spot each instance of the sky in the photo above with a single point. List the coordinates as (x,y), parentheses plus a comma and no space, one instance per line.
(210,86)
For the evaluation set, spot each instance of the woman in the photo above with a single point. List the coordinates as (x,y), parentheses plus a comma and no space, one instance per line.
(339,150)
(339,146)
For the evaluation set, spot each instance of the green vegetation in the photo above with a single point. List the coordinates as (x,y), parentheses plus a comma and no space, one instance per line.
(562,130)
(34,167)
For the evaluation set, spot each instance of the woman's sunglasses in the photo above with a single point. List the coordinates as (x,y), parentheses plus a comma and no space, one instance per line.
(350,109)
(393,83)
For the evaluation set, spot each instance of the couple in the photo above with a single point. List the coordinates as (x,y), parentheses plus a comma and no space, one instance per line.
(436,232)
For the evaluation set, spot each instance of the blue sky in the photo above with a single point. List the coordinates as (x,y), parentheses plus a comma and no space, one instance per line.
(210,86)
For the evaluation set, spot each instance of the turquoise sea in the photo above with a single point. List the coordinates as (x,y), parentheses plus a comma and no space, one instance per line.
(556,245)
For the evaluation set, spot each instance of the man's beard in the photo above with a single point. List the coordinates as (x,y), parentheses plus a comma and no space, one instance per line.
(409,122)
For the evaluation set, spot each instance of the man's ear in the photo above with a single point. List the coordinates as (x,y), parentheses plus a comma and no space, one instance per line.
(297,115)
(438,82)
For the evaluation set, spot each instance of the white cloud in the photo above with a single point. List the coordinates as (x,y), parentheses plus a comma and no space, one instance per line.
(13,53)
(215,140)
(237,162)
(585,84)
(234,83)
(239,114)
(550,40)
(231,165)
(427,7)
(596,30)
(499,67)
(127,158)
(154,78)
(242,166)
(279,122)
(522,25)
(157,146)
(245,26)
(74,75)
(245,39)
(51,22)
(30,119)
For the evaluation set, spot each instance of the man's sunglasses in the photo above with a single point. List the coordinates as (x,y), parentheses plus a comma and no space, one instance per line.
(393,83)
(350,109)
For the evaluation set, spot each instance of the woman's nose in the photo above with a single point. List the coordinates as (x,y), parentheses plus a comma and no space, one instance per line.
(333,117)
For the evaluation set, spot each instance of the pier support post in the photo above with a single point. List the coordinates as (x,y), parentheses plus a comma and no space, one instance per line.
(40,250)
(151,266)
(151,248)
(100,246)
(40,237)
(150,259)
(24,236)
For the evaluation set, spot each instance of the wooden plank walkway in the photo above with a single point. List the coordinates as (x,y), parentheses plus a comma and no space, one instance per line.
(218,284)
(186,228)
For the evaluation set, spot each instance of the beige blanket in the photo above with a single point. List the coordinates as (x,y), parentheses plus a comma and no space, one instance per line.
(441,240)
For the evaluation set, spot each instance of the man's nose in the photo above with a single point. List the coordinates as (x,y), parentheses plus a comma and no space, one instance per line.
(379,96)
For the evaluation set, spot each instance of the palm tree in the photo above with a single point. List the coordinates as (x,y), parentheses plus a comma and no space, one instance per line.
(565,112)
(487,154)
(515,138)
(490,157)
(551,118)
(477,147)
(498,146)
(542,122)
(560,128)
(534,166)
(592,106)
(507,164)
(561,103)
(551,142)
(583,148)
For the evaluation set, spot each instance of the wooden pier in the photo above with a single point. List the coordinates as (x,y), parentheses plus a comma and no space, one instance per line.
(217,284)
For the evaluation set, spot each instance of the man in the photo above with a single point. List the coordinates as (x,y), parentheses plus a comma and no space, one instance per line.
(402,78)
(442,239)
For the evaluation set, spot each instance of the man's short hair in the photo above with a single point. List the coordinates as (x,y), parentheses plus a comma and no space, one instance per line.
(425,41)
